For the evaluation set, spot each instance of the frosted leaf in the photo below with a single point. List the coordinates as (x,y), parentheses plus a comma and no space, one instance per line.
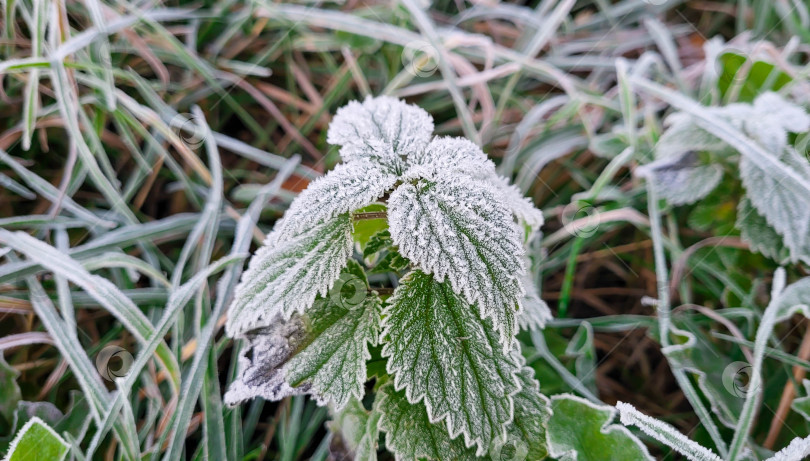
(442,353)
(457,229)
(683,135)
(322,353)
(797,450)
(448,155)
(786,212)
(285,275)
(409,432)
(665,434)
(772,119)
(535,313)
(532,412)
(354,433)
(346,188)
(760,236)
(682,179)
(381,129)
(582,431)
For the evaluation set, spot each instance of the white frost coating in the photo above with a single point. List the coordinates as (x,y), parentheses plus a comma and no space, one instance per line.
(535,313)
(521,206)
(286,275)
(323,354)
(381,129)
(797,450)
(682,179)
(665,434)
(446,156)
(457,229)
(348,187)
(444,354)
(21,433)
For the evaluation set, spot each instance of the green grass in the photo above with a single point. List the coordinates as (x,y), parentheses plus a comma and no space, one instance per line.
(145,151)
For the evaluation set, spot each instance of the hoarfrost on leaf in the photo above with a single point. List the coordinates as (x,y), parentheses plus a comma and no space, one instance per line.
(348,187)
(532,412)
(286,274)
(442,353)
(409,432)
(357,431)
(446,156)
(535,312)
(322,353)
(457,229)
(682,179)
(384,130)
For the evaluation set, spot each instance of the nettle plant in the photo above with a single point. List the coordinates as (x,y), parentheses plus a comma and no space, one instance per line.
(401,272)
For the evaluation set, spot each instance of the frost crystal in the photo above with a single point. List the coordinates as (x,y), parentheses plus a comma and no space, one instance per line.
(457,229)
(323,353)
(346,188)
(381,129)
(285,276)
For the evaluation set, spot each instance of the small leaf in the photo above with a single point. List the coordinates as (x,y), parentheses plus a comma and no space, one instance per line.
(11,394)
(357,431)
(684,135)
(322,353)
(347,187)
(457,229)
(580,430)
(285,276)
(441,352)
(409,432)
(382,130)
(378,242)
(37,441)
(682,180)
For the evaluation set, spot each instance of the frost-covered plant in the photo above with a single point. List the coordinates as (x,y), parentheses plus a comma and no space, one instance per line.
(772,217)
(431,217)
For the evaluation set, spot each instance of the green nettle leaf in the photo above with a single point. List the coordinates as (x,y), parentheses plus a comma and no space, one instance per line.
(532,412)
(457,229)
(346,188)
(322,352)
(355,432)
(442,353)
(409,432)
(582,431)
(286,275)
(36,441)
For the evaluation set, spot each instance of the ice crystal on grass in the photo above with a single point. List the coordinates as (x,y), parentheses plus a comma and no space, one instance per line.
(285,276)
(457,229)
(381,129)
(441,352)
